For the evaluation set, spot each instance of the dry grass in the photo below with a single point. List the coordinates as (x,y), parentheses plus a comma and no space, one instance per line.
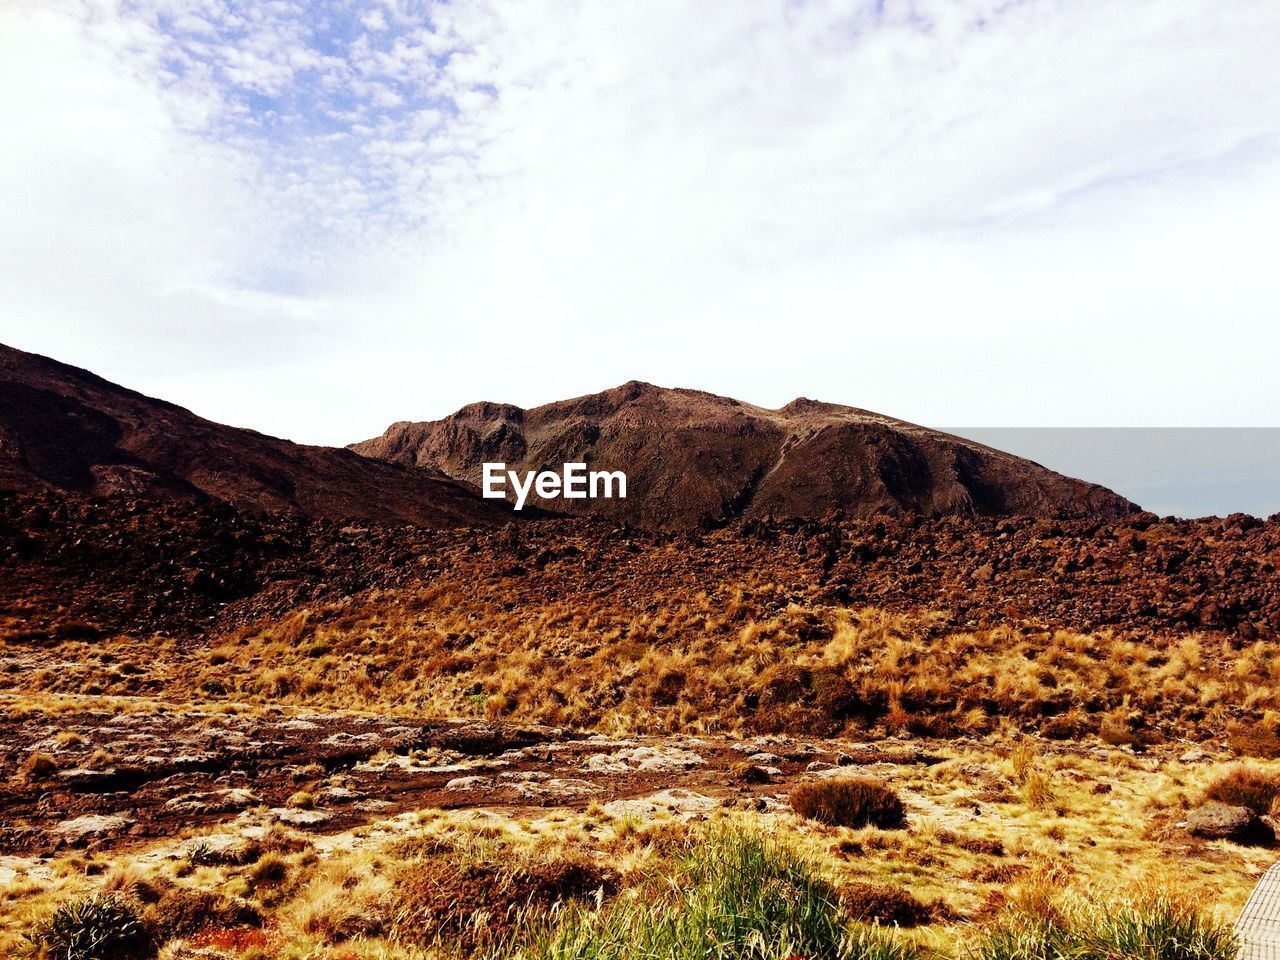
(1245,787)
(394,893)
(740,659)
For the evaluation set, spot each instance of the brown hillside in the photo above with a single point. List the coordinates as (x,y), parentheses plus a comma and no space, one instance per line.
(65,429)
(696,459)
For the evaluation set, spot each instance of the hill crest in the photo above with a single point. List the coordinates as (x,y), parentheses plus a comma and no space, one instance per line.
(67,429)
(698,459)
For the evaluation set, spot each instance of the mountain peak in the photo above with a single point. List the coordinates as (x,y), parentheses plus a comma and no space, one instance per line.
(697,459)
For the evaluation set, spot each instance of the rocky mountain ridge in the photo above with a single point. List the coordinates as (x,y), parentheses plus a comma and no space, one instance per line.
(694,459)
(68,430)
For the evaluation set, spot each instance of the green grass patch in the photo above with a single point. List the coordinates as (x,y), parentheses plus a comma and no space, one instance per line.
(733,896)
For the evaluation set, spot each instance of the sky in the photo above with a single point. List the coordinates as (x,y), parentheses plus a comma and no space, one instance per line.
(315,219)
(1171,471)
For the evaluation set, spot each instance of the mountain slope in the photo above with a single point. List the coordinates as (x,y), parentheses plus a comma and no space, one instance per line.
(696,459)
(66,429)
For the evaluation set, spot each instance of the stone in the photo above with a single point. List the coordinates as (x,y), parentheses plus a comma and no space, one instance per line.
(301,818)
(340,795)
(683,803)
(91,825)
(1218,821)
(215,801)
(652,759)
(469,783)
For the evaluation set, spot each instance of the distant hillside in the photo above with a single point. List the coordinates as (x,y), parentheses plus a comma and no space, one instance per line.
(66,429)
(696,459)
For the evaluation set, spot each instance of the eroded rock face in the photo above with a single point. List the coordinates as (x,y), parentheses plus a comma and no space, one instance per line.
(1218,821)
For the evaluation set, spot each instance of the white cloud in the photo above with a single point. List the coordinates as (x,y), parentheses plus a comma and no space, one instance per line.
(1038,212)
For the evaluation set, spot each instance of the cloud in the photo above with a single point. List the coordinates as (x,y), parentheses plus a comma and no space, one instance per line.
(1037,212)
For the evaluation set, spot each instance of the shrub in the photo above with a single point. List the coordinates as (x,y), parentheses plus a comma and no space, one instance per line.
(747,772)
(1255,739)
(271,870)
(878,903)
(1022,937)
(182,912)
(855,802)
(793,699)
(987,846)
(1022,760)
(1066,726)
(1037,791)
(1119,733)
(1245,787)
(102,927)
(469,906)
(1160,927)
(38,766)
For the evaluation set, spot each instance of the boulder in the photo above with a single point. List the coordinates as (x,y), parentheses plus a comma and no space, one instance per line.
(1218,821)
(91,825)
(214,801)
(300,818)
(470,783)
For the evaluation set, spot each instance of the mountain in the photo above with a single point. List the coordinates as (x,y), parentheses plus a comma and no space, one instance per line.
(696,459)
(66,429)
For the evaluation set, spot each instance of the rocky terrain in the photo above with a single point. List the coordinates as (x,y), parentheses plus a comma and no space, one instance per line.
(140,566)
(694,459)
(65,429)
(262,834)
(266,702)
(168,773)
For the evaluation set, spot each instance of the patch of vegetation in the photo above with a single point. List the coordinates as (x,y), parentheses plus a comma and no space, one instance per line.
(1245,787)
(1260,739)
(472,905)
(182,912)
(797,699)
(101,927)
(736,895)
(38,766)
(271,870)
(879,903)
(854,802)
(1154,928)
